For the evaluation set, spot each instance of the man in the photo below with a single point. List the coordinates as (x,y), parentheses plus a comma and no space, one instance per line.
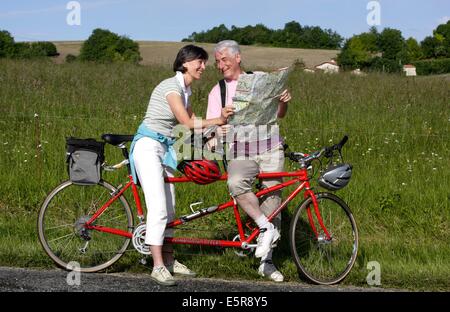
(265,156)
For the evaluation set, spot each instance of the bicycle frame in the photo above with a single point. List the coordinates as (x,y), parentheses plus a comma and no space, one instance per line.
(300,176)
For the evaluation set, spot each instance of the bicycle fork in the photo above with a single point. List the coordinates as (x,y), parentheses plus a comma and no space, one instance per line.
(309,193)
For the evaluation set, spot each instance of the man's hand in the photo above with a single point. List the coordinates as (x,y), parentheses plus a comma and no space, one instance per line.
(285,96)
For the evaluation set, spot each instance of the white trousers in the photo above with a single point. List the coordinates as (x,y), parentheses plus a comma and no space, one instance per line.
(159,196)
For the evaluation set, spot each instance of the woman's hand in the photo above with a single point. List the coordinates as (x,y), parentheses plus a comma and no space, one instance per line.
(226,112)
(223,130)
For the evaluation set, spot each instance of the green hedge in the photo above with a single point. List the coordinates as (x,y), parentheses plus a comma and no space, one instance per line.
(431,67)
(381,64)
(24,50)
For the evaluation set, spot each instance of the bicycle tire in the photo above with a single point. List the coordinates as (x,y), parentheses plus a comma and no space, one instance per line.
(318,260)
(61,232)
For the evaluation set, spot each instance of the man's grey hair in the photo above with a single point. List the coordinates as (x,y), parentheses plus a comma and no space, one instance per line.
(231,45)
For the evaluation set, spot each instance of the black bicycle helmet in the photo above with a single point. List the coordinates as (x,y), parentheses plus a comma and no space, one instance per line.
(336,177)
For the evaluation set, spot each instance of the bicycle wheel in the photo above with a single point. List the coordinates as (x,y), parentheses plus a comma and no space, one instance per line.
(318,259)
(63,236)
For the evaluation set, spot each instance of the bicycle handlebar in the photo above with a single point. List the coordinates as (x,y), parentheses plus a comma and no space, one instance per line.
(327,151)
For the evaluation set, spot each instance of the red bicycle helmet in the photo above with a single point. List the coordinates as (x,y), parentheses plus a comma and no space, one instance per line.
(201,171)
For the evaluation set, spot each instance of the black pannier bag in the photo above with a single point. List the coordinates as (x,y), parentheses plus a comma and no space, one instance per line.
(84,159)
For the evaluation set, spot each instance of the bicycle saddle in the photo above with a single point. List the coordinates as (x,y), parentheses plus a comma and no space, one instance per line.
(116,139)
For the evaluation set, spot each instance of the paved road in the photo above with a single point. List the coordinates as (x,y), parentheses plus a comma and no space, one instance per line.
(30,280)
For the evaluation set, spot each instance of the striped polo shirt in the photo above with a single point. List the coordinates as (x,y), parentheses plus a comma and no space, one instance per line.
(159,117)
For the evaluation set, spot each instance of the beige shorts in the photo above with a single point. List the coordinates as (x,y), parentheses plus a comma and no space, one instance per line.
(242,174)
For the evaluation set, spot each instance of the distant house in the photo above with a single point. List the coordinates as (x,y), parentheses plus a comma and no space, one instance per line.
(410,70)
(328,67)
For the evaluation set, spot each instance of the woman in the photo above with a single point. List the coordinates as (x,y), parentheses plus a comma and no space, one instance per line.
(153,156)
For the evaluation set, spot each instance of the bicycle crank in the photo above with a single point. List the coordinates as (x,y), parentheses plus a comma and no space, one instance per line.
(138,240)
(247,248)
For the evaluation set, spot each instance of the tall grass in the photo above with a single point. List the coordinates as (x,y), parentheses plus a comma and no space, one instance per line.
(399,146)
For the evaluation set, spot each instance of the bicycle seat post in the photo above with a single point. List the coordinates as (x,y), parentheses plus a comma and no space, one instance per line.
(125,154)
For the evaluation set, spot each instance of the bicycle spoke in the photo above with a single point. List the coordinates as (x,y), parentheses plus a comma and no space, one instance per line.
(62,237)
(60,226)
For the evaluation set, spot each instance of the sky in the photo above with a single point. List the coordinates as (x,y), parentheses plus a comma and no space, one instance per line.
(173,20)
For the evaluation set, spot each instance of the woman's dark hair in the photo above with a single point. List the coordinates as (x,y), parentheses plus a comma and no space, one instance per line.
(186,54)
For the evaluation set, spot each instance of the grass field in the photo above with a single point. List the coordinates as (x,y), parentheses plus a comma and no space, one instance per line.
(163,53)
(399,143)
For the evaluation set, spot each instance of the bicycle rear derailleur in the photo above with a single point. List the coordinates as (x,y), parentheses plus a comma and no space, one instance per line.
(80,229)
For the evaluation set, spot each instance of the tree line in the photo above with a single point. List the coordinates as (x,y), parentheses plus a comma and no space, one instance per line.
(24,50)
(293,35)
(383,51)
(388,50)
(102,46)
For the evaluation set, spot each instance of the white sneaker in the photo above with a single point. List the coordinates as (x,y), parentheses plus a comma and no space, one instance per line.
(265,241)
(181,269)
(162,276)
(268,269)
